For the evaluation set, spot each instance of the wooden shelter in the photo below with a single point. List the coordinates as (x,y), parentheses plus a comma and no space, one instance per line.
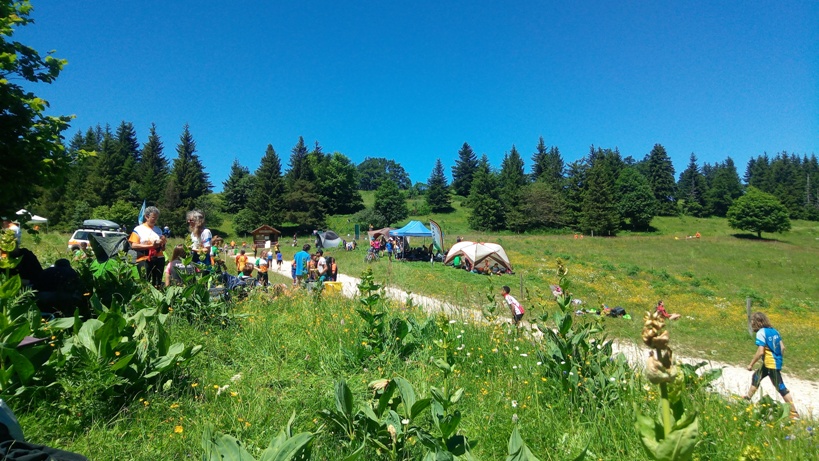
(265,237)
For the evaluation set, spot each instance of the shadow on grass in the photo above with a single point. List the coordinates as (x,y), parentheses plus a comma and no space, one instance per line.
(760,239)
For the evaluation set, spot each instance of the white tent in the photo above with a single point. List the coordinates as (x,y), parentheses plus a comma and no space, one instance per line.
(477,253)
(33,219)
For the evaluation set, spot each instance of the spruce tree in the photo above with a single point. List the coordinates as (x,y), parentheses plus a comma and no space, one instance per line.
(268,190)
(599,212)
(512,180)
(724,189)
(299,168)
(464,170)
(487,210)
(128,152)
(153,169)
(100,187)
(236,188)
(437,195)
(574,186)
(661,177)
(189,182)
(691,189)
(539,160)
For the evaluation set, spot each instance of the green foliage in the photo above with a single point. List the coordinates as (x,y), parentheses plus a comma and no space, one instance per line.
(691,189)
(337,182)
(660,174)
(723,189)
(33,153)
(188,182)
(464,170)
(236,189)
(381,338)
(390,204)
(300,169)
(267,188)
(758,212)
(488,213)
(547,165)
(120,212)
(304,205)
(153,169)
(437,193)
(599,213)
(578,357)
(373,172)
(636,203)
(284,447)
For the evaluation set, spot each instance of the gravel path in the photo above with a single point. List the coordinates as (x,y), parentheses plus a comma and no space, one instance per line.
(734,381)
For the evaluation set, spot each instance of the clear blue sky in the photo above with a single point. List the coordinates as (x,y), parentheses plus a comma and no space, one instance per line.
(413,81)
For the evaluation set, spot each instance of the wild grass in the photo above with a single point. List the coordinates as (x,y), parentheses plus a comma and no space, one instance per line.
(287,355)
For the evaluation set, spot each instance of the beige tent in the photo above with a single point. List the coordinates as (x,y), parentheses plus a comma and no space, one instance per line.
(477,253)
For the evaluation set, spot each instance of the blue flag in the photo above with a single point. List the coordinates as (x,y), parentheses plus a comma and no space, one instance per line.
(141,213)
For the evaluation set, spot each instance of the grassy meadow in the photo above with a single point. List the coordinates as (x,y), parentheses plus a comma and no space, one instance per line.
(286,352)
(707,280)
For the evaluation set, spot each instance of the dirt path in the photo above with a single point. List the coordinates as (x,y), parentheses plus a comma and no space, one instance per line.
(734,381)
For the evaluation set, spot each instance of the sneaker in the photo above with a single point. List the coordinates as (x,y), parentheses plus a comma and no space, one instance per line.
(745,397)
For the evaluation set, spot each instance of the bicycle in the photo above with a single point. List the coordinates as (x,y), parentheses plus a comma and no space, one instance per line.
(371,256)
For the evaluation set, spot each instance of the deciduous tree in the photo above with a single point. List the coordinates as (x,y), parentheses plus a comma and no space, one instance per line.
(758,212)
(30,141)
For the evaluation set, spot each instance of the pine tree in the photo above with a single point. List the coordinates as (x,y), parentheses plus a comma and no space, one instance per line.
(464,170)
(236,188)
(188,183)
(128,152)
(547,165)
(599,212)
(487,210)
(512,180)
(575,184)
(636,202)
(299,169)
(268,190)
(539,160)
(661,177)
(437,195)
(100,186)
(153,169)
(724,189)
(691,189)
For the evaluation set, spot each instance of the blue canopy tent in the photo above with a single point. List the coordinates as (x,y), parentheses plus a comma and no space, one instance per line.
(412,229)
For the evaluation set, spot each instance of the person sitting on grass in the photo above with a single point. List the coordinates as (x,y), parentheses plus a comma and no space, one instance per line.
(770,349)
(664,313)
(514,305)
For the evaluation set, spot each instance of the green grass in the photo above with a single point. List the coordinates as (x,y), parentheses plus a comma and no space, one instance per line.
(708,279)
(290,354)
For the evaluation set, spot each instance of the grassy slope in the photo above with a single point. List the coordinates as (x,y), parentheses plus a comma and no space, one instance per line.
(708,279)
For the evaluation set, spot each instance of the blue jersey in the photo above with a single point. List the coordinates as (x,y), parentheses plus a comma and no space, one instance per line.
(769,339)
(301,259)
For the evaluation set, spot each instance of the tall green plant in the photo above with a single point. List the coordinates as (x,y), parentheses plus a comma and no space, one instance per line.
(284,447)
(578,356)
(672,436)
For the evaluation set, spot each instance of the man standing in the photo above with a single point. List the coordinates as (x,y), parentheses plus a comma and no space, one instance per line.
(300,260)
(321,266)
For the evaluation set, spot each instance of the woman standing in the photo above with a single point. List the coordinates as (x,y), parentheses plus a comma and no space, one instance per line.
(200,237)
(149,242)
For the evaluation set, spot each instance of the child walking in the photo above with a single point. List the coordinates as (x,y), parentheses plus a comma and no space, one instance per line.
(514,305)
(770,349)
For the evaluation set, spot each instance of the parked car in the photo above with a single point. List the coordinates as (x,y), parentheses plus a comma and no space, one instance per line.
(98,227)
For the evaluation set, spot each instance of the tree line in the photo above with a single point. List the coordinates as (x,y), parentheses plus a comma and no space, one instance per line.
(603,193)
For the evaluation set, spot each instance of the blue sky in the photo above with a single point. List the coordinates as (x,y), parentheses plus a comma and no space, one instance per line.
(413,81)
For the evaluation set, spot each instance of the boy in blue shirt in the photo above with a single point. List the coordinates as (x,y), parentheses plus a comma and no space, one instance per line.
(770,349)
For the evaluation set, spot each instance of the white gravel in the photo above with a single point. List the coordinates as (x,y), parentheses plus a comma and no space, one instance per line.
(734,381)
